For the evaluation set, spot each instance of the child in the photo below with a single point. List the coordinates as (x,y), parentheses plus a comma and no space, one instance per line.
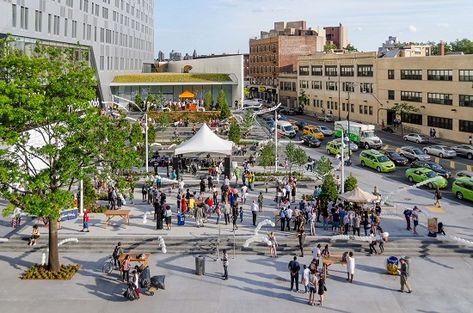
(225,264)
(34,236)
(241,214)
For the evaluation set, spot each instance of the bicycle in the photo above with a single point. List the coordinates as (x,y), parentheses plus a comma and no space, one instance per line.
(108,265)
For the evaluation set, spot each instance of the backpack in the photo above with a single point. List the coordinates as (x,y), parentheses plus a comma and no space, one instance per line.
(115,252)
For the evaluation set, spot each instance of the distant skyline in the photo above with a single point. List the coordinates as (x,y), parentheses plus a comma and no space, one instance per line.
(225,26)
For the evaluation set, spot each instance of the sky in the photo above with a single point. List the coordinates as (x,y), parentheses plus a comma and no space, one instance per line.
(225,26)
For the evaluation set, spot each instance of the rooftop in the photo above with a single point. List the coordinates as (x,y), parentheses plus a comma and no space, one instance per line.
(171,78)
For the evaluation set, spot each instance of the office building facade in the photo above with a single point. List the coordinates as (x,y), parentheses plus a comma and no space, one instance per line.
(119,33)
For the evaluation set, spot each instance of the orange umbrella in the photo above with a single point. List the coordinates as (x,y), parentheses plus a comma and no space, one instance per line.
(186,94)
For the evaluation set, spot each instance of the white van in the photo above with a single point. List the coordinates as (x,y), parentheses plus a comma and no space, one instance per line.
(285,128)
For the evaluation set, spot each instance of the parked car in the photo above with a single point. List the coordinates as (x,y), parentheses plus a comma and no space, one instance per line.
(335,147)
(462,188)
(311,130)
(310,141)
(464,150)
(416,138)
(325,130)
(376,160)
(439,169)
(462,174)
(413,153)
(441,151)
(294,124)
(301,124)
(353,146)
(326,118)
(418,175)
(398,159)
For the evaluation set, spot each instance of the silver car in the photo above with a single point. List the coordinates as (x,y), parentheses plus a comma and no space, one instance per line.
(416,138)
(461,174)
(414,153)
(325,130)
(440,151)
(353,146)
(464,150)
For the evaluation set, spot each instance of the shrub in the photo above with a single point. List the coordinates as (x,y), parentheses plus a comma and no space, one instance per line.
(192,117)
(234,133)
(350,183)
(66,272)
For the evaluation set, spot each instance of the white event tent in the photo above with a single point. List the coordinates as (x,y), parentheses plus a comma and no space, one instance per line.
(205,140)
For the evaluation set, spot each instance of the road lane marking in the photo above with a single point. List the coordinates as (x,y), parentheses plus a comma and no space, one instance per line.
(452,164)
(435,209)
(469,168)
(398,150)
(437,160)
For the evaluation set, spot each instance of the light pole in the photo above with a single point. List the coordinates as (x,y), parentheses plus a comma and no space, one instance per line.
(342,168)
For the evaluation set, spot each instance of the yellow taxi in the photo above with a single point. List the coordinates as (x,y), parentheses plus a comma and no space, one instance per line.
(313,131)
(294,124)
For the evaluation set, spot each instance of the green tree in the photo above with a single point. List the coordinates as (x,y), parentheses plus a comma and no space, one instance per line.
(401,108)
(163,122)
(267,156)
(248,121)
(221,100)
(323,167)
(463,45)
(350,183)
(295,155)
(208,101)
(46,96)
(302,99)
(246,92)
(329,47)
(90,197)
(351,48)
(328,190)
(139,102)
(234,133)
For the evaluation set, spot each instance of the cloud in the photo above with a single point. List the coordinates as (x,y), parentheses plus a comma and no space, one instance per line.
(443,25)
(412,28)
(359,28)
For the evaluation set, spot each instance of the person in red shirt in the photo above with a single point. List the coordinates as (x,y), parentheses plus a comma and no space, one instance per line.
(85,221)
(183,205)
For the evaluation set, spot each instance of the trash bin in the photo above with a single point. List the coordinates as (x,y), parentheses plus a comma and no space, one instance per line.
(181,219)
(200,265)
(392,264)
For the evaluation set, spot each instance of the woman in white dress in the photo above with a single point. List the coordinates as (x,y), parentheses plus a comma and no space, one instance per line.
(350,266)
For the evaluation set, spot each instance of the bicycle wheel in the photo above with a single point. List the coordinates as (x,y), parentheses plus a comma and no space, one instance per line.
(107,267)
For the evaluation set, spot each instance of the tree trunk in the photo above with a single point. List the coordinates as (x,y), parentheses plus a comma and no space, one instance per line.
(53,258)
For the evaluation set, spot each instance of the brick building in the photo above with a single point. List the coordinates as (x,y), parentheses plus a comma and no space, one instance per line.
(337,35)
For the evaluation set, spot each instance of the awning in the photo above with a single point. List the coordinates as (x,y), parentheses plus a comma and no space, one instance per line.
(205,141)
(186,94)
(357,195)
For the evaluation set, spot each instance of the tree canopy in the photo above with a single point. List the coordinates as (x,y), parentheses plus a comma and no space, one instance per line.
(45,97)
(222,105)
(234,133)
(208,101)
(267,155)
(248,121)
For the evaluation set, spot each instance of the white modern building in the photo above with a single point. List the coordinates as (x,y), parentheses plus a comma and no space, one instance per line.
(119,33)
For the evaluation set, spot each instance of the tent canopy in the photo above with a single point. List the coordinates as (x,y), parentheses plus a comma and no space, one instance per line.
(205,140)
(357,195)
(186,94)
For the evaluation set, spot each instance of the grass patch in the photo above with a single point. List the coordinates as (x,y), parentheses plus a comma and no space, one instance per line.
(192,117)
(171,78)
(40,272)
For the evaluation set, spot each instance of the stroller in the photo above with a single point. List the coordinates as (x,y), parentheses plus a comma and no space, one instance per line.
(131,293)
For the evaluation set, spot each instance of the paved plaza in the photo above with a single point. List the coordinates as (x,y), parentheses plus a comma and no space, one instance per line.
(256,284)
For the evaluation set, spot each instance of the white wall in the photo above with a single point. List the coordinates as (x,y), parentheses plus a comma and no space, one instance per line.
(231,64)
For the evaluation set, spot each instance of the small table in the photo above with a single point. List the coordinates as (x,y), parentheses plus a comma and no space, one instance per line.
(109,214)
(134,257)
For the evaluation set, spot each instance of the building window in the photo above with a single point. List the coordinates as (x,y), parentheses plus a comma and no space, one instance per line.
(49,23)
(347,71)
(316,85)
(56,25)
(65,26)
(89,32)
(366,88)
(331,71)
(439,75)
(352,108)
(411,74)
(370,110)
(390,74)
(74,29)
(102,62)
(365,109)
(86,6)
(466,75)
(38,20)
(413,96)
(23,17)
(466,100)
(304,84)
(412,118)
(13,15)
(304,70)
(439,98)
(317,70)
(441,122)
(348,87)
(330,85)
(365,71)
(466,126)
(391,95)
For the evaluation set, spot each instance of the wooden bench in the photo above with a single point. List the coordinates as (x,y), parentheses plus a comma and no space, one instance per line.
(125,214)
(135,257)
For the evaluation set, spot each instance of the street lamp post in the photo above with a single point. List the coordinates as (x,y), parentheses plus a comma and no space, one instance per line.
(342,168)
(276,140)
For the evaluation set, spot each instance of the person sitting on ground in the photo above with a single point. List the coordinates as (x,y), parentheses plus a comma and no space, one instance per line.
(34,235)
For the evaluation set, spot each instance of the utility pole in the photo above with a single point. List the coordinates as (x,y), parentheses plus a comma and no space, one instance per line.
(276,140)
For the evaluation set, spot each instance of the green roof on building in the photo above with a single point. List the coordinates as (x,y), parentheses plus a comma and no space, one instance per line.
(171,78)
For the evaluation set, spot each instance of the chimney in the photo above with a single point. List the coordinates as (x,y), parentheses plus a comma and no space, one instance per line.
(441,47)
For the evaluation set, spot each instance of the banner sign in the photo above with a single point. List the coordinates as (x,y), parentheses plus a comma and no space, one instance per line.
(68,215)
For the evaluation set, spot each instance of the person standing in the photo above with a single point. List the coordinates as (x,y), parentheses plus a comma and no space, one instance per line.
(225,264)
(301,238)
(254,211)
(282,218)
(415,218)
(226,212)
(312,220)
(407,215)
(437,197)
(235,215)
(316,253)
(305,278)
(117,251)
(288,218)
(294,269)
(260,201)
(85,221)
(273,245)
(404,273)
(168,217)
(356,224)
(322,289)
(350,266)
(126,268)
(312,286)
